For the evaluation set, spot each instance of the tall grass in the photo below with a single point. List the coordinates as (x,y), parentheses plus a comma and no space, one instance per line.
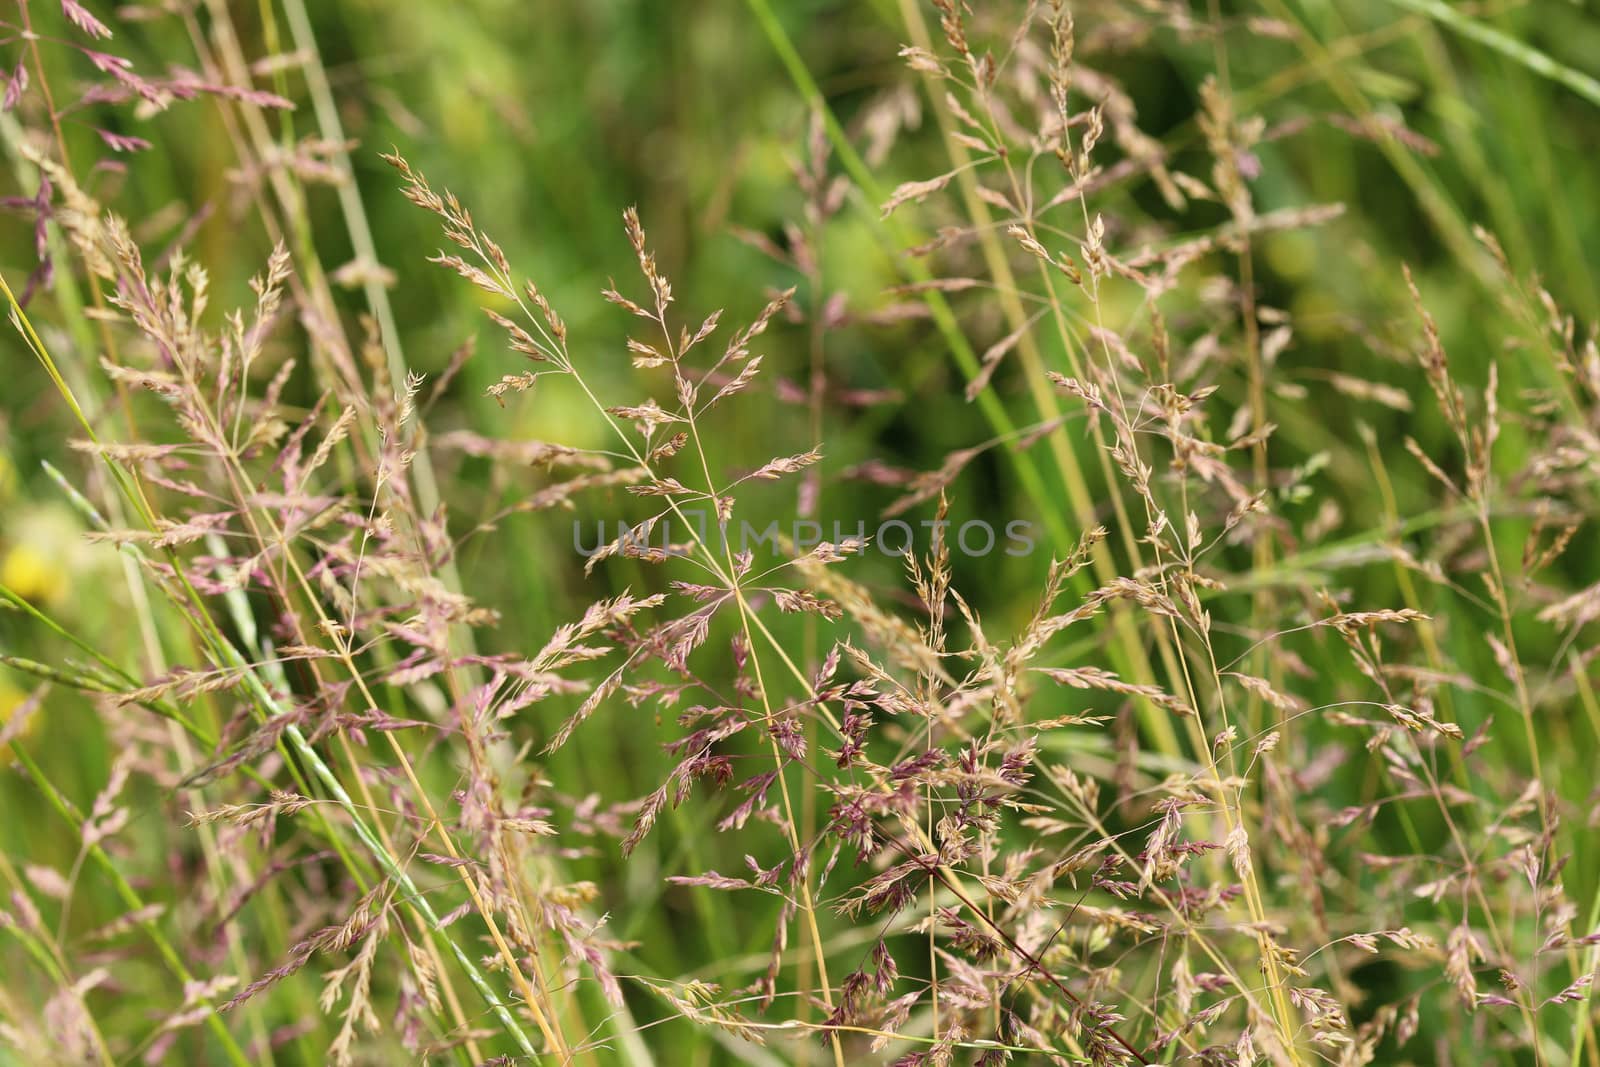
(1169,437)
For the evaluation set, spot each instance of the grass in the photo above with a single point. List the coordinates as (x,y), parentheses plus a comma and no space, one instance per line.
(513,661)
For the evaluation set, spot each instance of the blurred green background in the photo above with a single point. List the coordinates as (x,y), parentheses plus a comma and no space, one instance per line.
(548,119)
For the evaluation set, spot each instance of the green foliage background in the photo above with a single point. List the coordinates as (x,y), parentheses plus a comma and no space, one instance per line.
(548,118)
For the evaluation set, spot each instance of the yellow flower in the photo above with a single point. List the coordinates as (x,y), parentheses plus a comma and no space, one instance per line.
(12,698)
(44,549)
(32,575)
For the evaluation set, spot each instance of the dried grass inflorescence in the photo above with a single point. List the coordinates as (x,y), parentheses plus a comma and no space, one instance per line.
(1195,802)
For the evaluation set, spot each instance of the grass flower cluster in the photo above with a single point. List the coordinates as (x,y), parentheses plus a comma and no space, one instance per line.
(326,742)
